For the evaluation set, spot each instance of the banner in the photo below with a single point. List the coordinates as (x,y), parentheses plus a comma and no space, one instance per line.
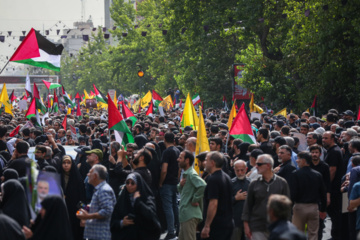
(239,91)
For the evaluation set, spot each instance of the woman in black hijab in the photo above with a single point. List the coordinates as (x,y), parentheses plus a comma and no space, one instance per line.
(53,221)
(74,191)
(14,202)
(243,151)
(134,215)
(10,229)
(9,174)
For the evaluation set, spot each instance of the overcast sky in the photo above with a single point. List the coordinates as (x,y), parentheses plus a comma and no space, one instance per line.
(22,15)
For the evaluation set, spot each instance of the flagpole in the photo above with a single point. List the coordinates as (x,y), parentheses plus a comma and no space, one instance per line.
(4,66)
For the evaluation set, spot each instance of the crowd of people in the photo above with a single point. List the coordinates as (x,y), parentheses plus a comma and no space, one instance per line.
(301,170)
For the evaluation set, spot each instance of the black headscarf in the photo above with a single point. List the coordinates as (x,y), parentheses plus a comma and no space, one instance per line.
(74,193)
(10,229)
(243,151)
(10,174)
(14,203)
(96,144)
(146,225)
(55,225)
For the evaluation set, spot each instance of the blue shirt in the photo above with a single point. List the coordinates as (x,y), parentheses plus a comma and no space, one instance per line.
(355,194)
(102,202)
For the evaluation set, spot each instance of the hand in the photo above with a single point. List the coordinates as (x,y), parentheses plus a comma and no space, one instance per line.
(27,232)
(127,221)
(276,170)
(82,214)
(240,195)
(247,230)
(350,209)
(205,232)
(322,215)
(82,223)
(328,201)
(182,182)
(136,194)
(121,154)
(112,159)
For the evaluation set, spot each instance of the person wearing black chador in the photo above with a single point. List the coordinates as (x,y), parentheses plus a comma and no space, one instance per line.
(134,215)
(53,221)
(14,202)
(74,191)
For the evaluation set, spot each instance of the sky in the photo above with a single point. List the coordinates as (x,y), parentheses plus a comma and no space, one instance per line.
(22,15)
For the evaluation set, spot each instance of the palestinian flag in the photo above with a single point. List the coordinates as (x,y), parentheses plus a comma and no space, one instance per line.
(48,104)
(64,122)
(28,86)
(127,113)
(225,103)
(56,103)
(78,112)
(77,98)
(99,96)
(50,85)
(39,103)
(37,51)
(241,127)
(32,112)
(116,122)
(156,98)
(67,98)
(196,99)
(12,96)
(150,110)
(313,106)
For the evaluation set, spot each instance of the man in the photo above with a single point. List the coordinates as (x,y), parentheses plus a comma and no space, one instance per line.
(285,168)
(93,157)
(240,185)
(190,145)
(323,168)
(259,190)
(191,189)
(168,184)
(279,209)
(304,129)
(215,144)
(26,137)
(307,191)
(278,125)
(57,126)
(263,138)
(182,140)
(218,223)
(61,137)
(139,138)
(334,159)
(40,153)
(253,173)
(313,138)
(102,204)
(20,160)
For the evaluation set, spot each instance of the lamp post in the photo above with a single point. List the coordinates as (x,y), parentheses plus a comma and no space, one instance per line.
(140,74)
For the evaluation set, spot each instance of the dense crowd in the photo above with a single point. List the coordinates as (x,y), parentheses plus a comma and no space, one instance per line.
(301,170)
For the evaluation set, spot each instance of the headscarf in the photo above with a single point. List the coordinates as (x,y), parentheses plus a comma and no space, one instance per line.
(55,225)
(10,229)
(14,203)
(243,151)
(10,174)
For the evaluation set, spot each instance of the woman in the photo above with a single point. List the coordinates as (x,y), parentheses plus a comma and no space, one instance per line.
(74,191)
(14,202)
(52,221)
(10,229)
(134,215)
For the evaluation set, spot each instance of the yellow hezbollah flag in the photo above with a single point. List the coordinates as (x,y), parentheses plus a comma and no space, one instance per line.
(166,103)
(4,99)
(232,115)
(281,112)
(189,117)
(254,107)
(307,110)
(136,106)
(146,99)
(202,142)
(115,100)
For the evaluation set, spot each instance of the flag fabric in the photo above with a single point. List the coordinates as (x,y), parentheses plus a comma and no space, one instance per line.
(136,105)
(92,94)
(73,133)
(180,103)
(117,123)
(157,99)
(39,103)
(225,103)
(115,100)
(241,127)
(128,114)
(4,99)
(37,51)
(150,110)
(253,106)
(78,112)
(146,99)
(189,117)
(56,103)
(15,131)
(28,86)
(232,115)
(99,96)
(48,104)
(67,98)
(281,112)
(64,122)
(313,106)
(167,103)
(202,142)
(31,112)
(358,116)
(50,85)
(196,99)
(12,97)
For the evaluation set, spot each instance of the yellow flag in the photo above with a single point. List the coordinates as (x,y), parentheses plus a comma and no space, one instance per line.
(202,142)
(189,117)
(115,100)
(136,106)
(146,99)
(307,110)
(232,115)
(166,103)
(4,99)
(69,111)
(254,107)
(281,112)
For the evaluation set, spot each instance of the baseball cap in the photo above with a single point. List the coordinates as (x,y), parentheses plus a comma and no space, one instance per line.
(348,113)
(98,152)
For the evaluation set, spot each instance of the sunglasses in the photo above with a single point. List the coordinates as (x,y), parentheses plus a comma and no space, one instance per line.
(259,164)
(130,183)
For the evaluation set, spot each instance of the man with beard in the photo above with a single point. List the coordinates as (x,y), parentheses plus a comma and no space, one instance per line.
(147,128)
(263,138)
(153,133)
(139,137)
(313,138)
(285,168)
(40,153)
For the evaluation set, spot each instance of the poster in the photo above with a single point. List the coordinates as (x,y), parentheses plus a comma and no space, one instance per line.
(239,91)
(91,103)
(48,183)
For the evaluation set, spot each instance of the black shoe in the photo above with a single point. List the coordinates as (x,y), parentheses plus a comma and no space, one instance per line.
(170,236)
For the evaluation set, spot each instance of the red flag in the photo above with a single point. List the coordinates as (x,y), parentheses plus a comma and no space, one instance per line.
(15,131)
(64,122)
(36,92)
(358,116)
(150,109)
(180,103)
(12,97)
(78,111)
(174,102)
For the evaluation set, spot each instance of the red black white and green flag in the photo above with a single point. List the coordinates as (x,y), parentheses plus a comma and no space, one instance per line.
(37,51)
(12,97)
(150,110)
(116,122)
(32,112)
(99,96)
(39,103)
(313,106)
(67,98)
(50,85)
(127,113)
(55,106)
(78,112)
(156,98)
(241,127)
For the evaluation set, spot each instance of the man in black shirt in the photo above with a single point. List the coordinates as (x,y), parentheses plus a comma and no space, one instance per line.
(168,184)
(263,138)
(218,215)
(285,168)
(307,191)
(334,159)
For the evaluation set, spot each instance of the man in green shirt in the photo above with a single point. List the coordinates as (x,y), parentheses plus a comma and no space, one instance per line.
(191,188)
